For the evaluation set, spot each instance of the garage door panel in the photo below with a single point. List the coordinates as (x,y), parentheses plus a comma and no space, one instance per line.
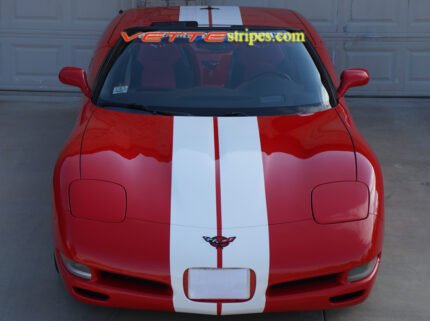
(417,67)
(94,13)
(60,15)
(48,10)
(41,60)
(34,63)
(380,58)
(323,14)
(419,16)
(381,64)
(35,66)
(22,14)
(374,16)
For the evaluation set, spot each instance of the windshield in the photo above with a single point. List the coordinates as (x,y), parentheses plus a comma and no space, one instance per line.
(202,78)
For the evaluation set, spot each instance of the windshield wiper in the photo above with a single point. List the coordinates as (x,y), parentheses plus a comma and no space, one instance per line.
(234,114)
(142,108)
(153,111)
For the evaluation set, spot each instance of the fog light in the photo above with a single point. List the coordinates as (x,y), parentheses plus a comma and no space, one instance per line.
(362,271)
(76,268)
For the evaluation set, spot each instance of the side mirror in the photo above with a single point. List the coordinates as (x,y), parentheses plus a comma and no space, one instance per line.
(352,78)
(77,77)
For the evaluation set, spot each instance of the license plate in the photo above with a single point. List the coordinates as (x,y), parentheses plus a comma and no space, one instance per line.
(226,284)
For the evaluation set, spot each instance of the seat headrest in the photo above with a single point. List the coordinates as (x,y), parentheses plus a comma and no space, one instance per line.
(159,53)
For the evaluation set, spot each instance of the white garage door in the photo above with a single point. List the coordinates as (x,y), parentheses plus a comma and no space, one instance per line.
(38,37)
(389,37)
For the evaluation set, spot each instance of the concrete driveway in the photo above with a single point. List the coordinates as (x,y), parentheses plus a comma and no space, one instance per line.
(31,135)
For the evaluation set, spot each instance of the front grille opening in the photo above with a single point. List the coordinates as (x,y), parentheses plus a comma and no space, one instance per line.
(136,284)
(346,297)
(303,285)
(91,294)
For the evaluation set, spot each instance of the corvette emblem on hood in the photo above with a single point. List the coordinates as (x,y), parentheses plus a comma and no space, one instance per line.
(219,242)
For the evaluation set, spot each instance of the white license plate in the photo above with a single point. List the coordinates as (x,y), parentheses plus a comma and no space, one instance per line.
(211,284)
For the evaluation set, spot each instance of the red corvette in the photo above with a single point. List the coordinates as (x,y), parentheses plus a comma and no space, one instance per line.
(216,177)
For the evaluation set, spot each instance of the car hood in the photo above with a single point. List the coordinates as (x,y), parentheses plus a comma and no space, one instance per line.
(198,171)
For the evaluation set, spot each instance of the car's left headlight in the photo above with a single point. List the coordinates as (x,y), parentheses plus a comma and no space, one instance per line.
(340,202)
(362,271)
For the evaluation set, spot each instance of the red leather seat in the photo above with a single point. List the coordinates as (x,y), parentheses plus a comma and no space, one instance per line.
(158,65)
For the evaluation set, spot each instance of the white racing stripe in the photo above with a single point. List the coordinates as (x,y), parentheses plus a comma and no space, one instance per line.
(193,206)
(243,196)
(193,200)
(226,16)
(194,13)
(243,207)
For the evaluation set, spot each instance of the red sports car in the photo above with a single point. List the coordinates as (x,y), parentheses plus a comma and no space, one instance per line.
(212,175)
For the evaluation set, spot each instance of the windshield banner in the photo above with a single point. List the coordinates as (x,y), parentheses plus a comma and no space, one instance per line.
(249,37)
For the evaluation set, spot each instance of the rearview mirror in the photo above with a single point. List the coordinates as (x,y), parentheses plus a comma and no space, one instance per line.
(77,77)
(352,78)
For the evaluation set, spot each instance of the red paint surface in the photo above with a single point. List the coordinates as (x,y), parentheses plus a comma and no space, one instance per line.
(218,200)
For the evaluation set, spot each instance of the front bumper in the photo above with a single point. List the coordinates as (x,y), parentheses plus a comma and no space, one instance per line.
(115,290)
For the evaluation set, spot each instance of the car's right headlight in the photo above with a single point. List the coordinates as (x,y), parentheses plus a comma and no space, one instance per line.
(77,269)
(98,200)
